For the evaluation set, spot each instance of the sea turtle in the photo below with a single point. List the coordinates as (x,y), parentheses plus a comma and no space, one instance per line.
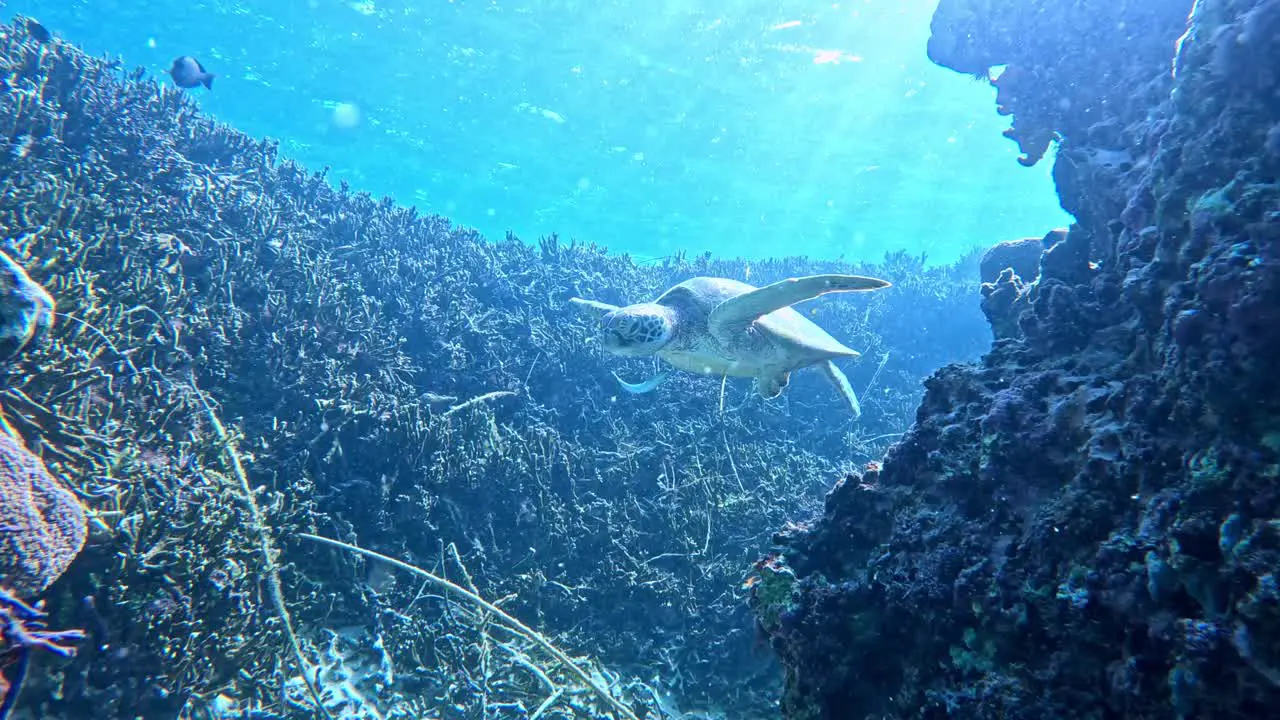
(717,326)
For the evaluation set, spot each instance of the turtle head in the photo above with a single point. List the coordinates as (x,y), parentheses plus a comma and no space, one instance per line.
(638,329)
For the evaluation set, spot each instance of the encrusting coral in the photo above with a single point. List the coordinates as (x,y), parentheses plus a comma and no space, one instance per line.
(42,524)
(1087,523)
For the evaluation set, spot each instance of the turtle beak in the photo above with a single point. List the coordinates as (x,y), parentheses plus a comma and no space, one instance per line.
(613,340)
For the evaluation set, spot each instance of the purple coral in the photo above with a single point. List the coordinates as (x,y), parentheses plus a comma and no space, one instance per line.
(42,528)
(42,524)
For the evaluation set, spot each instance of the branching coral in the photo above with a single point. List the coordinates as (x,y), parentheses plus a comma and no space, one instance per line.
(22,633)
(511,623)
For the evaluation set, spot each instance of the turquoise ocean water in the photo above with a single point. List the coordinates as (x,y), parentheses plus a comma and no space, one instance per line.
(743,128)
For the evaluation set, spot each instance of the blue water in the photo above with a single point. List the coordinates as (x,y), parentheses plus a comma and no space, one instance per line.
(753,129)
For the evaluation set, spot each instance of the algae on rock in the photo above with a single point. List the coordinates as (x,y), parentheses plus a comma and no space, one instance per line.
(1065,516)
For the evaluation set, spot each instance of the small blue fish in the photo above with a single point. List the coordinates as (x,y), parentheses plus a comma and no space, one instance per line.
(643,387)
(38,32)
(187,72)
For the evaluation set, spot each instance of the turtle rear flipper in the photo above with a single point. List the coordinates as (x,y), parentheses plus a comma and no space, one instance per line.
(770,385)
(738,312)
(841,382)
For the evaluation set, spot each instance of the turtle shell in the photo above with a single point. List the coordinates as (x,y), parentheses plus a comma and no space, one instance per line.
(782,339)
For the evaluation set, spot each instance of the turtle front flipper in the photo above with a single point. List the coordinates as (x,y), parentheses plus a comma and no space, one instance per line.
(770,385)
(596,308)
(740,311)
(841,382)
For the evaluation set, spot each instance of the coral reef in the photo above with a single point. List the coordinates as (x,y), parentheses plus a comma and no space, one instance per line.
(1009,271)
(1021,256)
(1086,524)
(390,380)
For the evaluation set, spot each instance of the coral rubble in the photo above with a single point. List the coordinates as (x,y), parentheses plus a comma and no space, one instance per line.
(1087,523)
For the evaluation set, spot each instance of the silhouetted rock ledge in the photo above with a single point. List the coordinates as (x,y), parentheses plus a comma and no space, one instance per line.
(1087,524)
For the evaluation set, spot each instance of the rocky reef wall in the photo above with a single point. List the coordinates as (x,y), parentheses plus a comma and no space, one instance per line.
(389,379)
(1087,524)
